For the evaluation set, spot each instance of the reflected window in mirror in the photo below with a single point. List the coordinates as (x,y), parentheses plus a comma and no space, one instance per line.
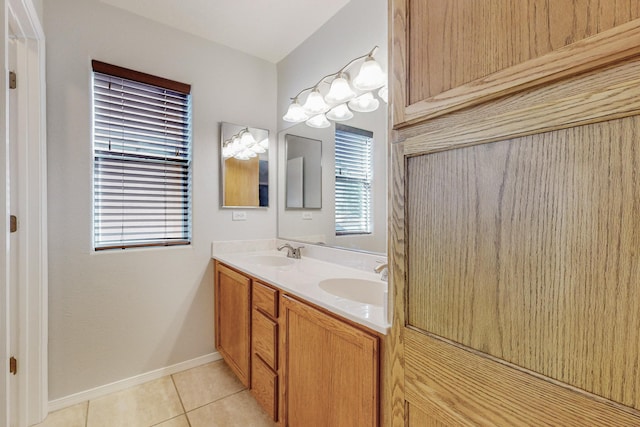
(244,166)
(353,176)
(303,178)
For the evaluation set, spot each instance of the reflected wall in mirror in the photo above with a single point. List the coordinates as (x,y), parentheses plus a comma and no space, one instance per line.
(354,209)
(303,177)
(244,166)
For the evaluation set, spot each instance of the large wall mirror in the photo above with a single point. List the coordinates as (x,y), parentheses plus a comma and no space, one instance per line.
(303,175)
(245,166)
(352,220)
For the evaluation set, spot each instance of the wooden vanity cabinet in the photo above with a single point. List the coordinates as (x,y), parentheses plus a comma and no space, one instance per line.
(330,369)
(304,366)
(264,353)
(232,297)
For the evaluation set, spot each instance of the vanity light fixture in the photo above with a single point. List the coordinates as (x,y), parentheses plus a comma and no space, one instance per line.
(296,113)
(318,121)
(365,103)
(370,76)
(342,96)
(315,103)
(340,91)
(339,113)
(243,146)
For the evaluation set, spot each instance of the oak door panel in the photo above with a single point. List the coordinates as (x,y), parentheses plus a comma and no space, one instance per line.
(450,386)
(527,250)
(454,42)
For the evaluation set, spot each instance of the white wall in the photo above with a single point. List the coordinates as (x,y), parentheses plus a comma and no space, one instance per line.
(116,314)
(352,32)
(37,4)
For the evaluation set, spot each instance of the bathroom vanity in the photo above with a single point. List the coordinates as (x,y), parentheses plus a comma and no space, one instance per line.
(309,357)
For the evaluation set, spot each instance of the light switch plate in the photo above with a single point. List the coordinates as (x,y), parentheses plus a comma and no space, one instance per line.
(239,216)
(307,215)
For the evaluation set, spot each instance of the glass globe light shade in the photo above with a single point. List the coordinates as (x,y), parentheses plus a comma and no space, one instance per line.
(264,143)
(383,93)
(236,145)
(245,154)
(315,104)
(340,91)
(247,140)
(258,149)
(365,103)
(370,76)
(295,113)
(227,151)
(339,113)
(318,121)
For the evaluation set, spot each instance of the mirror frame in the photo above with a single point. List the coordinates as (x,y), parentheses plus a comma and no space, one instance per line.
(223,167)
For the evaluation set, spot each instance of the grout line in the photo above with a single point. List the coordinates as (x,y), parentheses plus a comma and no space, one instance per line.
(218,400)
(184,411)
(172,418)
(86,415)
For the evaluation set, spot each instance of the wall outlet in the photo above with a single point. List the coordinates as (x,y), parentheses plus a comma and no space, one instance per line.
(239,216)
(307,215)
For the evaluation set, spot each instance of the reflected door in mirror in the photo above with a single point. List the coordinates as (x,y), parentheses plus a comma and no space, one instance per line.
(304,172)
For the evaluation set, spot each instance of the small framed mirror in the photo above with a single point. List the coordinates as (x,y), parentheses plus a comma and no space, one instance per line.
(303,176)
(244,166)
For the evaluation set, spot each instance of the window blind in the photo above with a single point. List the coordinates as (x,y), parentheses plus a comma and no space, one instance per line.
(142,161)
(353,159)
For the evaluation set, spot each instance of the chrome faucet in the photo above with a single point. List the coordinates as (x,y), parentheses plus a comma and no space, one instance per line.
(384,270)
(291,251)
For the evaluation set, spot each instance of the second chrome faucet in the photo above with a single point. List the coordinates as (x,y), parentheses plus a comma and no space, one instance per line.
(384,270)
(291,251)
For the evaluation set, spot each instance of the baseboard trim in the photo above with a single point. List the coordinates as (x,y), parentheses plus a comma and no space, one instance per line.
(103,390)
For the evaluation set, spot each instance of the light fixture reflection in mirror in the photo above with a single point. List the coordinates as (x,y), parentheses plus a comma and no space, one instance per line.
(244,166)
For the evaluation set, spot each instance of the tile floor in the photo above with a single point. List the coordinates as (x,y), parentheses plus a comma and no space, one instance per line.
(206,396)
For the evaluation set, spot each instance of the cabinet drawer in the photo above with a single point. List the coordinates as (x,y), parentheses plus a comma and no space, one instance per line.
(264,387)
(265,338)
(266,299)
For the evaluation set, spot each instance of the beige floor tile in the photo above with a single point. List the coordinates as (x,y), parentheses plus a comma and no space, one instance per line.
(73,416)
(143,405)
(239,410)
(180,421)
(206,384)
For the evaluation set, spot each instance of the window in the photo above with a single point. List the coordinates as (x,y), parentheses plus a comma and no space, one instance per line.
(353,180)
(141,159)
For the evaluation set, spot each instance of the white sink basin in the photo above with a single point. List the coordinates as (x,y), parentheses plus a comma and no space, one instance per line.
(361,290)
(271,260)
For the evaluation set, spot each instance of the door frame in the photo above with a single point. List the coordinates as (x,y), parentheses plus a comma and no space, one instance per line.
(21,22)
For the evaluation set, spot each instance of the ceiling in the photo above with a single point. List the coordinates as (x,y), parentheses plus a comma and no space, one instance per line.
(268,29)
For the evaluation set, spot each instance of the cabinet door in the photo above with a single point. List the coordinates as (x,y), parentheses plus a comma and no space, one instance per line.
(330,370)
(232,320)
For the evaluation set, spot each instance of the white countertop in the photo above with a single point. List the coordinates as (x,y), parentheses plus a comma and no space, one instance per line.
(301,279)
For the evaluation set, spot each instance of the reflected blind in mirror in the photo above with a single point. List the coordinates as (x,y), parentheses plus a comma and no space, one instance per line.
(353,161)
(142,159)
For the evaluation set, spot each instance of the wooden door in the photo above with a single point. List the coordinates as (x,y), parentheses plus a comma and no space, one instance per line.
(452,54)
(515,251)
(232,294)
(330,370)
